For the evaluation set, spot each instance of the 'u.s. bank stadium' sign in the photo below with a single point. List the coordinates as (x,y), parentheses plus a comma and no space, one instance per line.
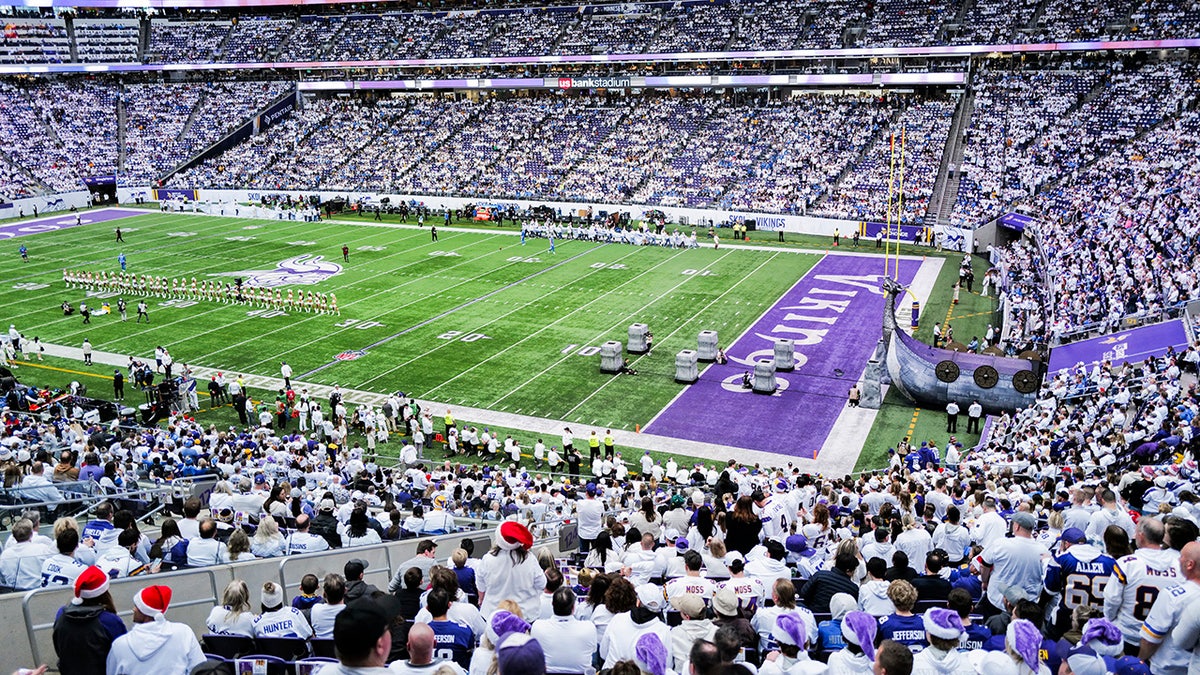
(595,82)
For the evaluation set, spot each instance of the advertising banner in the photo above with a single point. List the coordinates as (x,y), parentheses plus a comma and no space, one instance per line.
(1134,345)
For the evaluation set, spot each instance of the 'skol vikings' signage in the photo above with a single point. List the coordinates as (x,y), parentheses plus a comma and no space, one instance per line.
(1134,345)
(1016,221)
(597,82)
(834,318)
(771,224)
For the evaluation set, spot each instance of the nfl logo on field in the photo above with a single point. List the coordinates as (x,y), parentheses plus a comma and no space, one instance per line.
(350,355)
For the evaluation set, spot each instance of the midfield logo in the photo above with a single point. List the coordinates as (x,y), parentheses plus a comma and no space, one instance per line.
(300,270)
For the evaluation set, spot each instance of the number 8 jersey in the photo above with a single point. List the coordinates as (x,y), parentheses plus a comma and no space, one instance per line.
(1135,584)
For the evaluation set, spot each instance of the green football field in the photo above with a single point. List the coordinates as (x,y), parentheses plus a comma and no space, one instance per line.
(473,319)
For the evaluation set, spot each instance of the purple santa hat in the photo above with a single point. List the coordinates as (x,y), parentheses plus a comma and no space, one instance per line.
(859,628)
(789,630)
(650,654)
(1103,637)
(943,623)
(1024,639)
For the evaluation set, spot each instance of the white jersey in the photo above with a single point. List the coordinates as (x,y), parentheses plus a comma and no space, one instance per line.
(61,570)
(1171,657)
(701,586)
(1136,583)
(775,518)
(117,563)
(285,622)
(747,589)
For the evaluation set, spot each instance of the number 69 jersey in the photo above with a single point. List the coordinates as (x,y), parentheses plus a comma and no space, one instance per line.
(1080,576)
(1136,583)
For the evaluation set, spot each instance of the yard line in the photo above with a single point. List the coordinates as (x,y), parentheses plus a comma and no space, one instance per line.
(452,310)
(658,297)
(509,313)
(685,324)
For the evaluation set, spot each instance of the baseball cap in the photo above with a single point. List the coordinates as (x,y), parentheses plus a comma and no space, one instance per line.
(358,627)
(1073,535)
(1130,665)
(354,568)
(651,597)
(689,604)
(1025,519)
(725,602)
(327,505)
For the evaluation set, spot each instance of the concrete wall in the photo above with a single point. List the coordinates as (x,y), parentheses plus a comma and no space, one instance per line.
(27,619)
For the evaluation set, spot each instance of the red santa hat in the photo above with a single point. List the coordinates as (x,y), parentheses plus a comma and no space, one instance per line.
(153,601)
(512,535)
(91,583)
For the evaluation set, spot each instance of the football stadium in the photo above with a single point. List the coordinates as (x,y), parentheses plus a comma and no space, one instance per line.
(507,337)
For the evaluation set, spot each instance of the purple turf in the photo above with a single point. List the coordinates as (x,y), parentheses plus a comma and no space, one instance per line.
(796,420)
(64,221)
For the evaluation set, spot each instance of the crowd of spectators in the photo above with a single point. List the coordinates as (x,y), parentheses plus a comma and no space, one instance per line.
(256,39)
(60,132)
(186,41)
(601,29)
(903,22)
(1125,240)
(106,41)
(167,124)
(919,133)
(34,42)
(949,556)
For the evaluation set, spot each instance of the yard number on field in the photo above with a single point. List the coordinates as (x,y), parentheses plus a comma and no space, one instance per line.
(698,273)
(608,266)
(266,313)
(445,254)
(585,351)
(355,323)
(458,335)
(517,258)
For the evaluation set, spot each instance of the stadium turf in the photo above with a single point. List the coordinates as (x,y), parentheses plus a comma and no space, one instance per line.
(473,319)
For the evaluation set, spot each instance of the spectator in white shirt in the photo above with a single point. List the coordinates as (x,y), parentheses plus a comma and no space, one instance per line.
(63,569)
(21,561)
(567,641)
(301,541)
(279,620)
(37,488)
(324,614)
(233,617)
(189,525)
(206,550)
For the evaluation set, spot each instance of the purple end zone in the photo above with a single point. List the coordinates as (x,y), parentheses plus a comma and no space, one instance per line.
(834,315)
(66,220)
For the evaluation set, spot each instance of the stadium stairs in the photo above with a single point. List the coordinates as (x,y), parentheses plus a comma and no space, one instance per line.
(945,190)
